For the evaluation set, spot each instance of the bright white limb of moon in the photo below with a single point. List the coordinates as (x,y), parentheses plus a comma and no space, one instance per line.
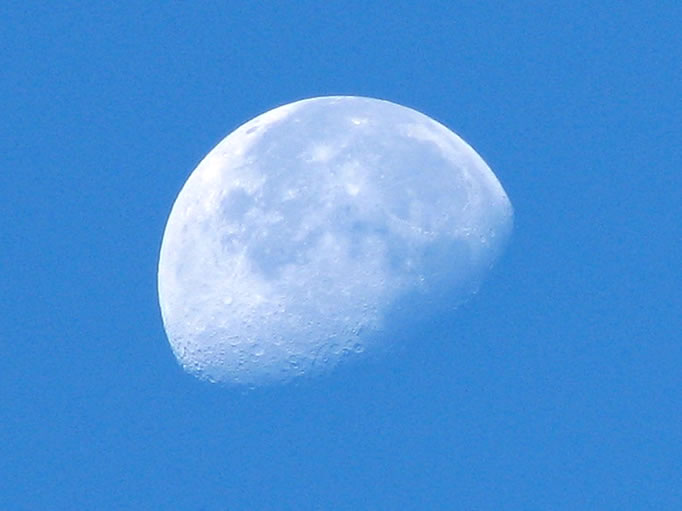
(302,235)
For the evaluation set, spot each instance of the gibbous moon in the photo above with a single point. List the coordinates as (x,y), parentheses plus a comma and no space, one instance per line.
(321,231)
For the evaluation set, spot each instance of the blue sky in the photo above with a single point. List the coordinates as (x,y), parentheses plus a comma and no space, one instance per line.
(557,386)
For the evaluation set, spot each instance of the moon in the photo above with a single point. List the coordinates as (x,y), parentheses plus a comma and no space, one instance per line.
(321,231)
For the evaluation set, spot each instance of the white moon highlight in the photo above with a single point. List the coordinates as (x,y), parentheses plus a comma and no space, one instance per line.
(320,230)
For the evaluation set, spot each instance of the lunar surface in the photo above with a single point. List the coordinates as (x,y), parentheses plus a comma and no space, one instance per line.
(321,231)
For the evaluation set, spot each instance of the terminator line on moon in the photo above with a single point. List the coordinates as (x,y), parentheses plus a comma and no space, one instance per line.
(306,235)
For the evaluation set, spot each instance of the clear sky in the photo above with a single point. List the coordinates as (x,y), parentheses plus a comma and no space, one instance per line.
(557,386)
